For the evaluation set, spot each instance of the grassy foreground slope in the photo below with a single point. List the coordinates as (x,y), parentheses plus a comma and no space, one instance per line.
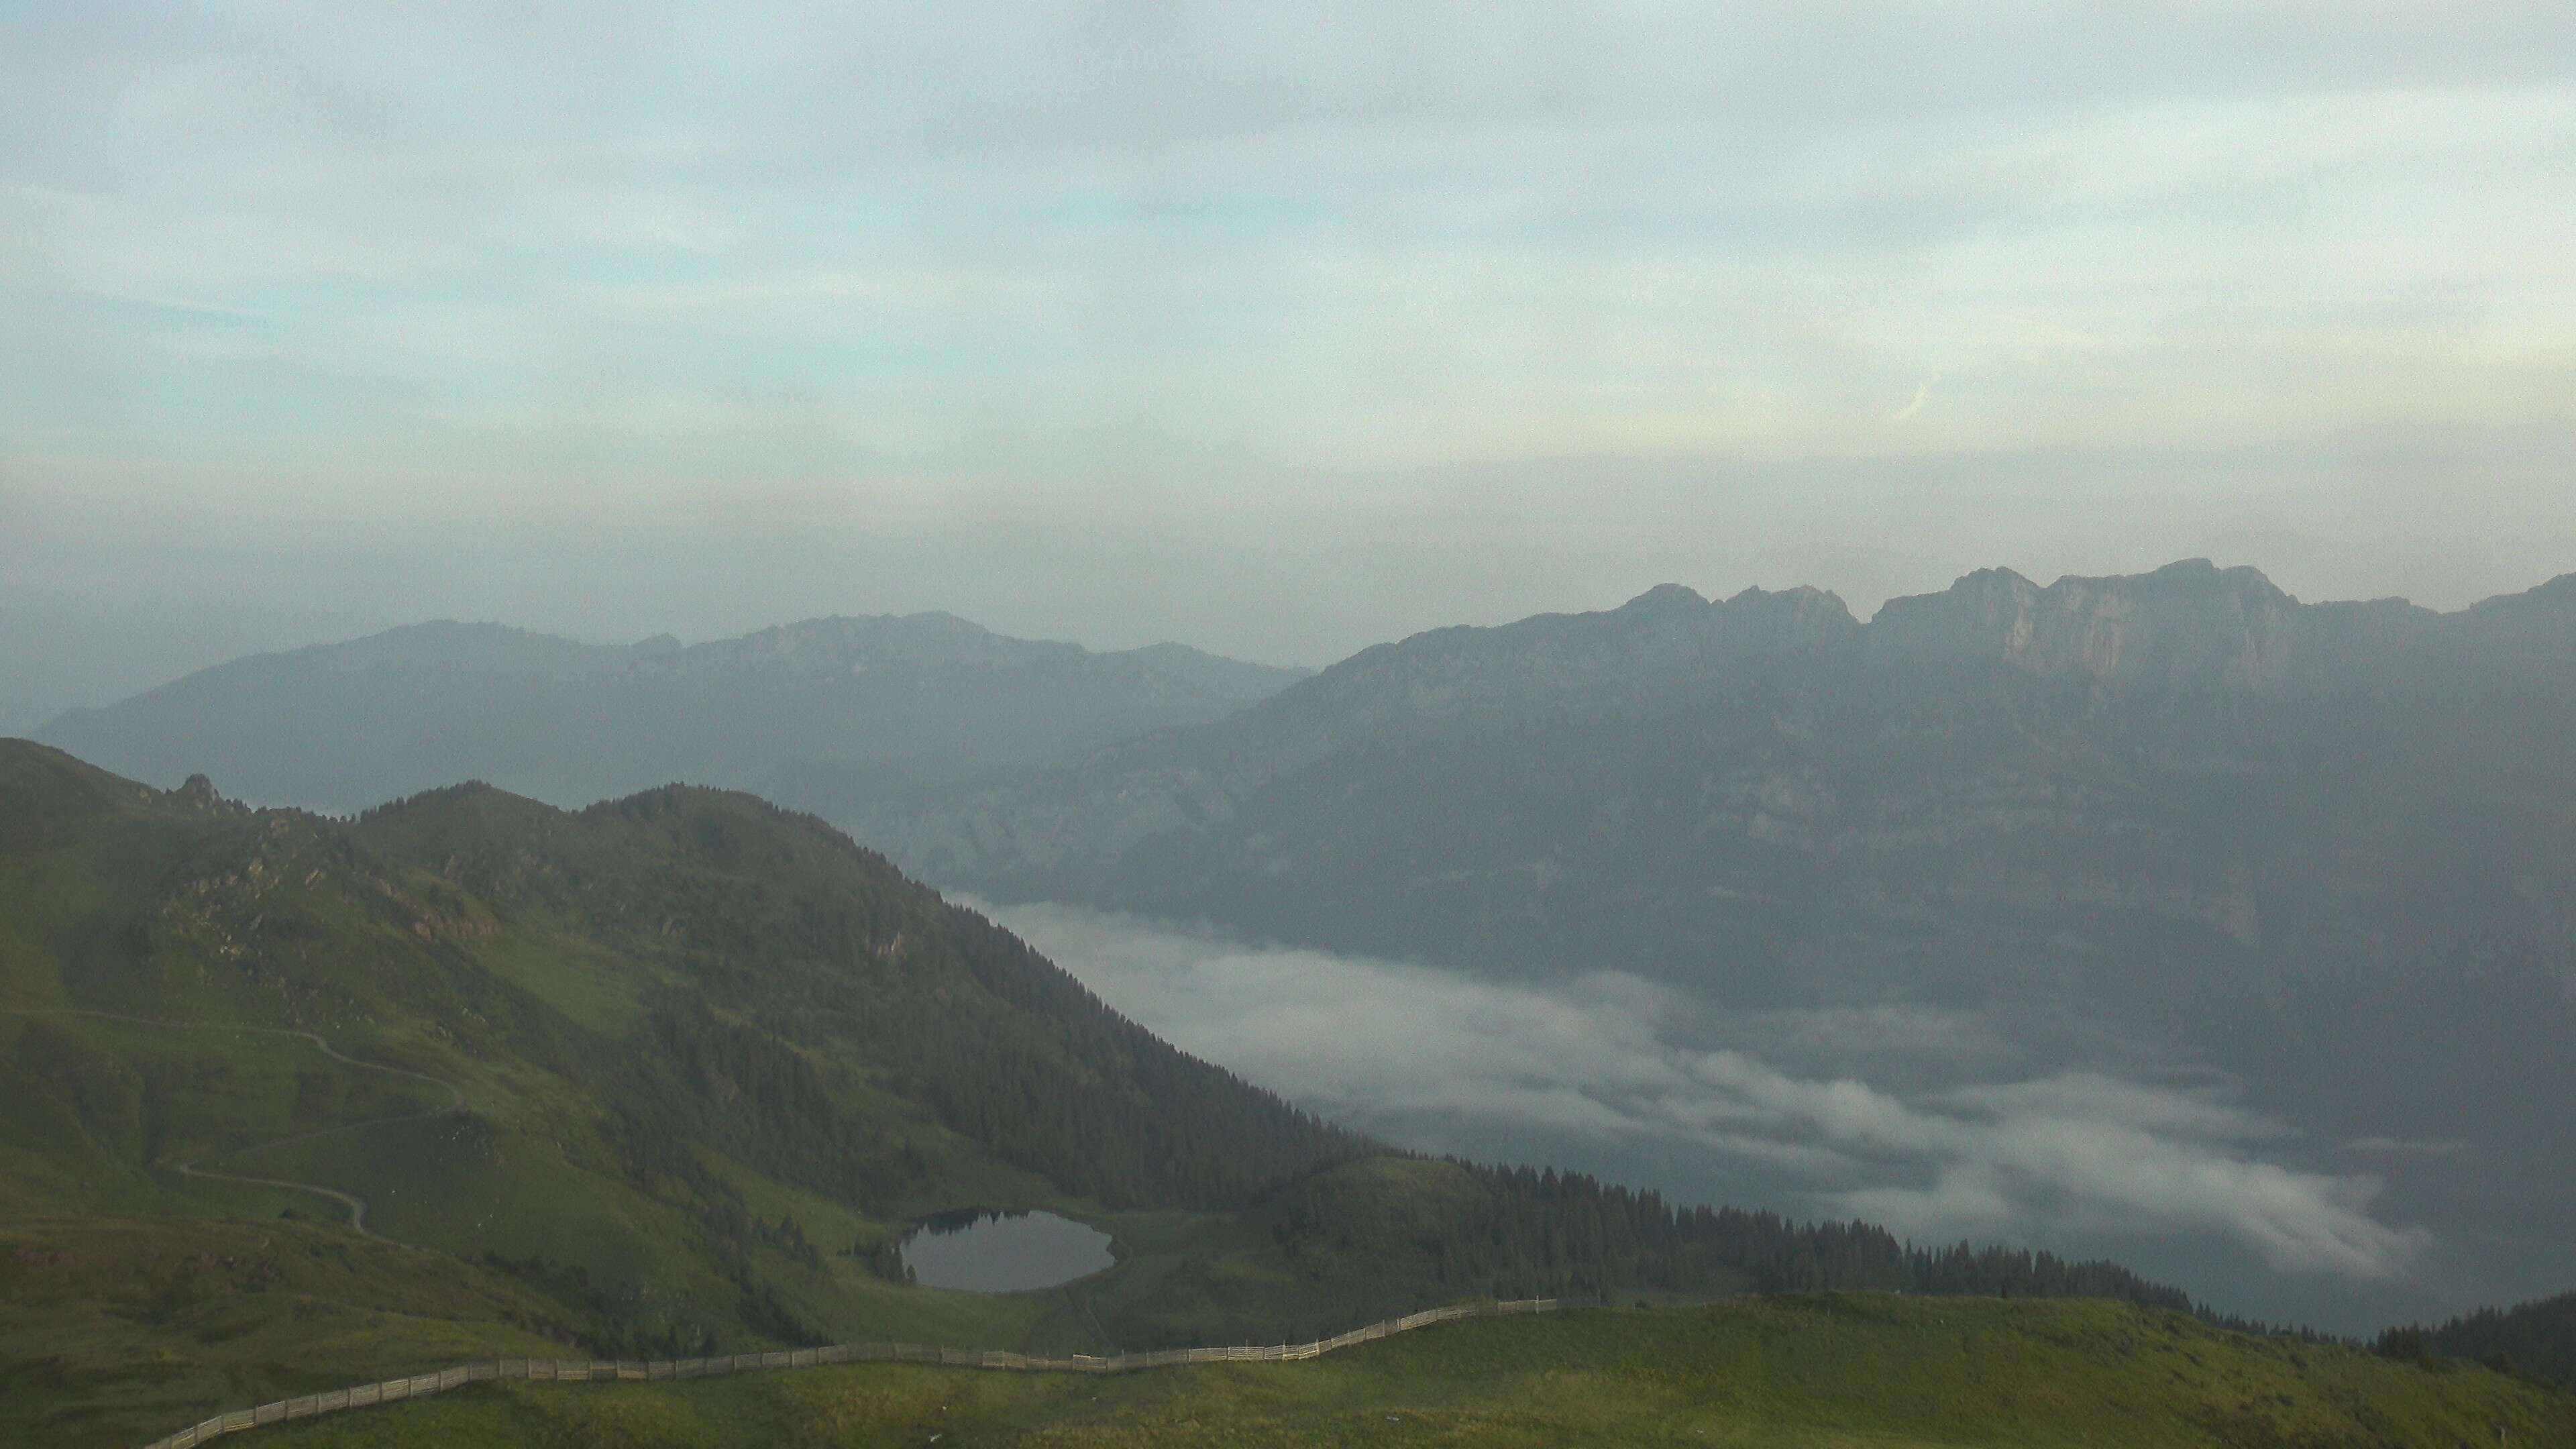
(1842,1369)
(114,1331)
(712,1058)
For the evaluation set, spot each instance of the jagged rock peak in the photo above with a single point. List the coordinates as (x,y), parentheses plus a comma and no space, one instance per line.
(2189,619)
(1665,597)
(1796,618)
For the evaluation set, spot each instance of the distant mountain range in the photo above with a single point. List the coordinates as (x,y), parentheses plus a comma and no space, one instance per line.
(2178,822)
(1763,793)
(2174,827)
(821,714)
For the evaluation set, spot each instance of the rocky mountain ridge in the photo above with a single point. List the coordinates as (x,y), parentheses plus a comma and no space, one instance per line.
(819,713)
(2171,825)
(1772,757)
(2188,622)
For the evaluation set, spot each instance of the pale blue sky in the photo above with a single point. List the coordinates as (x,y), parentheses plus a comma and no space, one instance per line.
(1277,333)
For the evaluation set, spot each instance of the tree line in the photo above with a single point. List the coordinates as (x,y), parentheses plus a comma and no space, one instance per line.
(1518,1232)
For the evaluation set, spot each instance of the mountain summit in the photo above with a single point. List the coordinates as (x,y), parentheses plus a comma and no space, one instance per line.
(2185,620)
(821,713)
(2190,622)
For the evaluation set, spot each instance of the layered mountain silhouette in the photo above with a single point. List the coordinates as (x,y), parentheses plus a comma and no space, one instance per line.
(2178,821)
(820,714)
(2177,826)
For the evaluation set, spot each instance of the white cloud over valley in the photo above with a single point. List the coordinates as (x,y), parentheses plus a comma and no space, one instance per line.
(1417,1054)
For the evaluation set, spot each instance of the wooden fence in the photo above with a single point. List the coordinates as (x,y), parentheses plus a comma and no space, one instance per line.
(575,1371)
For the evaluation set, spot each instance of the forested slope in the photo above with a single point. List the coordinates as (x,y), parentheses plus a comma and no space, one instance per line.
(2537,1338)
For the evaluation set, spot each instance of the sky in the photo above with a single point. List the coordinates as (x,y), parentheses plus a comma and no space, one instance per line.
(1275,330)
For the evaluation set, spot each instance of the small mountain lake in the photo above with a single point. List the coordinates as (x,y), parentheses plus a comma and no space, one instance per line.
(983,1251)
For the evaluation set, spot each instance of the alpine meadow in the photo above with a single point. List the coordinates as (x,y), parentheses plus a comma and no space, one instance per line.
(1040,723)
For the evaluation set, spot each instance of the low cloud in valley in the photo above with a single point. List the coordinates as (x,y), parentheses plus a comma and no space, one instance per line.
(1927,1120)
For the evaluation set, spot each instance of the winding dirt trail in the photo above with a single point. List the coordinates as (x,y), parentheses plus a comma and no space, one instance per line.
(356,1205)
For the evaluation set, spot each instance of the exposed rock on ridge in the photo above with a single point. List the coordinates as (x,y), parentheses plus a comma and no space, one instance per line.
(2180,815)
(2186,620)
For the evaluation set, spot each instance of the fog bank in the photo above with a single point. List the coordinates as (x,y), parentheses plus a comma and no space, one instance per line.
(1929,1121)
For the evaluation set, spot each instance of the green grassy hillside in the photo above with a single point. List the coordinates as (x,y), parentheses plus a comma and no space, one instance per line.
(711,1060)
(117,1330)
(297,1101)
(1840,1370)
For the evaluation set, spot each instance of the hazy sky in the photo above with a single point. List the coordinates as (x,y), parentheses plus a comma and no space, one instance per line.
(1277,330)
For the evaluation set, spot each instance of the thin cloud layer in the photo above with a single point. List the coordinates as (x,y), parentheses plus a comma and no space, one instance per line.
(1278,332)
(1415,1052)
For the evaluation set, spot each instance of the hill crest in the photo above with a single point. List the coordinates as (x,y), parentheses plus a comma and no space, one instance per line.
(823,712)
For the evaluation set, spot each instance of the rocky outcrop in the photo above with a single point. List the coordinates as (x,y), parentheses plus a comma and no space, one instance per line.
(2186,621)
(2195,622)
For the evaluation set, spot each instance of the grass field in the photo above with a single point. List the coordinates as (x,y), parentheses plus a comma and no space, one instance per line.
(119,1330)
(1826,1370)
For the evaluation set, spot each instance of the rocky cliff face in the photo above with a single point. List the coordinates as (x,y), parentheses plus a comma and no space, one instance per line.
(2176,817)
(2183,622)
(2189,624)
